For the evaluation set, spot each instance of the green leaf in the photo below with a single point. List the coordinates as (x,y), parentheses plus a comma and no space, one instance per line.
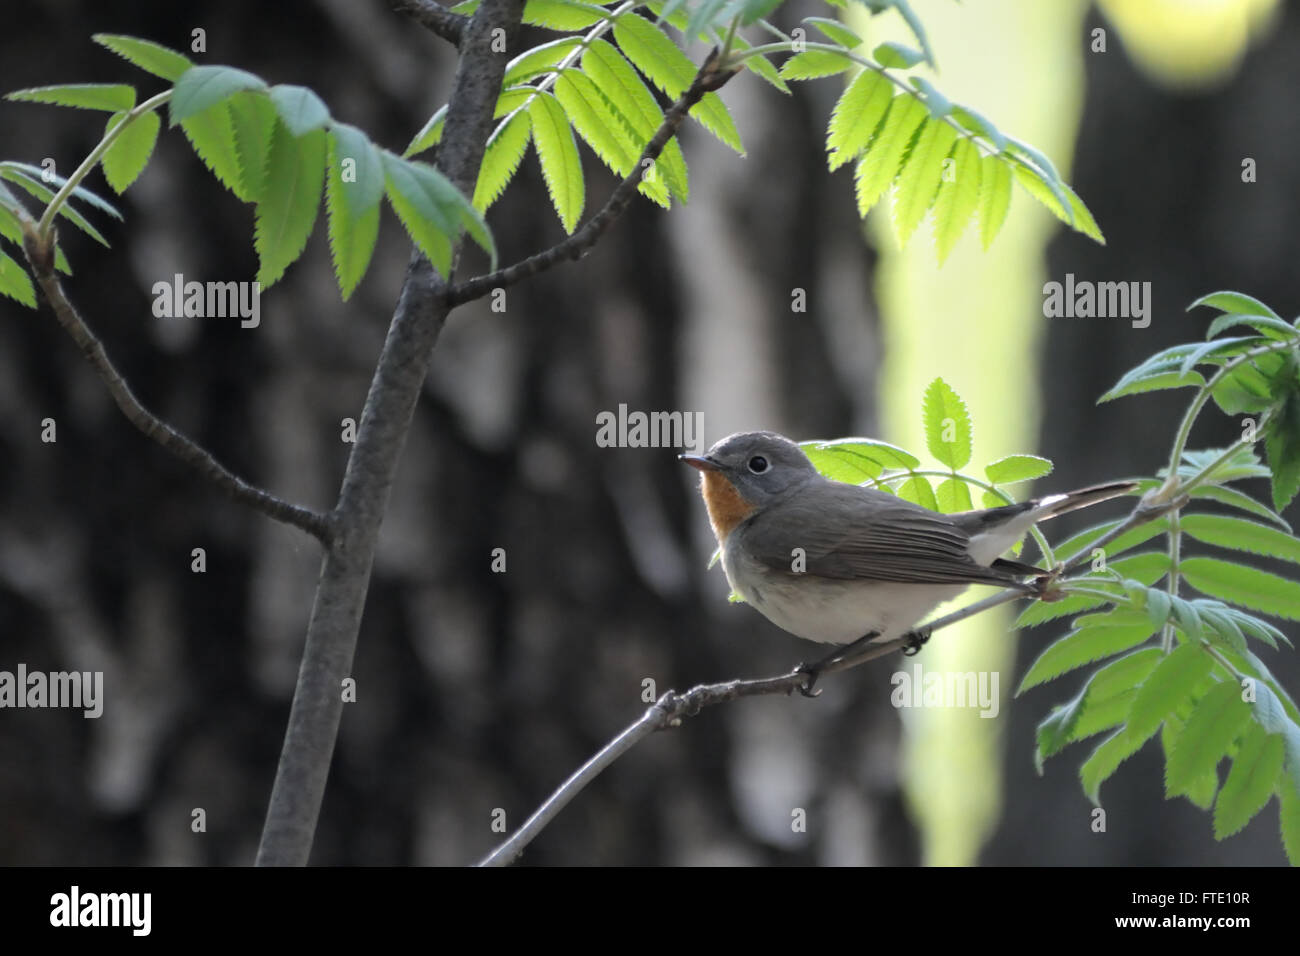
(1276,329)
(632,101)
(1106,759)
(896,56)
(563,14)
(419,196)
(1159,371)
(1288,798)
(760,65)
(947,425)
(1146,567)
(1248,587)
(15,283)
(1159,606)
(1282,445)
(953,495)
(429,135)
(354,186)
(1013,468)
(253,119)
(1077,543)
(877,169)
(147,55)
(864,457)
(1171,682)
(1244,390)
(1242,535)
(543,59)
(501,159)
(286,213)
(836,31)
(1236,499)
(812,64)
(558,153)
(1202,790)
(201,87)
(1218,352)
(704,14)
(1250,782)
(918,181)
(1083,219)
(29,179)
(127,157)
(978,124)
(603,130)
(917,490)
(914,24)
(749,11)
(1208,733)
(1234,302)
(212,134)
(110,97)
(856,117)
(995,197)
(938,104)
(1048,192)
(959,196)
(301,110)
(1085,645)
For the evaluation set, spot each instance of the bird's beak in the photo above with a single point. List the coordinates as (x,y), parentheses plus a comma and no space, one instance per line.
(702,462)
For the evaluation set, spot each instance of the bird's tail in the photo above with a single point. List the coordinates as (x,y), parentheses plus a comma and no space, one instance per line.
(1053,505)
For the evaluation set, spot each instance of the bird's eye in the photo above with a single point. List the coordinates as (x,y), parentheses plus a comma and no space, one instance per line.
(758,464)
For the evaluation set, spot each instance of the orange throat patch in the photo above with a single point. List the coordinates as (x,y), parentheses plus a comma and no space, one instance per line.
(726,507)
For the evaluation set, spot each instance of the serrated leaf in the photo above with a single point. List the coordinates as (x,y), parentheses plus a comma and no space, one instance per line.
(836,31)
(878,167)
(286,213)
(857,115)
(1152,382)
(212,135)
(1083,219)
(995,197)
(704,14)
(563,14)
(1170,684)
(917,490)
(958,198)
(868,455)
(15,282)
(1013,468)
(1236,499)
(543,58)
(896,56)
(1275,329)
(1218,351)
(28,178)
(253,119)
(1282,445)
(149,56)
(920,176)
(1207,734)
(127,157)
(201,87)
(1242,535)
(354,186)
(1289,818)
(632,101)
(501,158)
(558,154)
(418,194)
(1106,759)
(760,65)
(947,425)
(980,125)
(1242,585)
(953,495)
(1234,302)
(1047,191)
(109,97)
(1083,646)
(299,108)
(429,135)
(1250,782)
(811,64)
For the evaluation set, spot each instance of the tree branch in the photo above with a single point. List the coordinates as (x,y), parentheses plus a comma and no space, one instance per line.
(668,711)
(314,523)
(434,17)
(385,421)
(707,80)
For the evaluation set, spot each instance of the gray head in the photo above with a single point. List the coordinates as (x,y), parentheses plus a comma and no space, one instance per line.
(761,465)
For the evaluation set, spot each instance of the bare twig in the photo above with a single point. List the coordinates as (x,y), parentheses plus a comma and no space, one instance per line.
(707,80)
(434,17)
(313,522)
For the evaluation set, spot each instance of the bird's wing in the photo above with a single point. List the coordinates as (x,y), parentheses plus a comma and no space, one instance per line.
(849,532)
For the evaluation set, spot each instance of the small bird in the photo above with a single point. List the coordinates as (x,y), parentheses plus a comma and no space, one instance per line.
(842,564)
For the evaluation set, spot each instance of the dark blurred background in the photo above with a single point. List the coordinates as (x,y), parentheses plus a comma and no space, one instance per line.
(479,691)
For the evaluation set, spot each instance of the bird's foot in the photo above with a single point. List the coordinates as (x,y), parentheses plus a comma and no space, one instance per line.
(915,641)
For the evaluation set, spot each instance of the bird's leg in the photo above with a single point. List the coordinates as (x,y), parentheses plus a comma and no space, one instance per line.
(813,671)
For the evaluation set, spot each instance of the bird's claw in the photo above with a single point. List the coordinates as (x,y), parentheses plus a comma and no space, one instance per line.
(915,641)
(809,673)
